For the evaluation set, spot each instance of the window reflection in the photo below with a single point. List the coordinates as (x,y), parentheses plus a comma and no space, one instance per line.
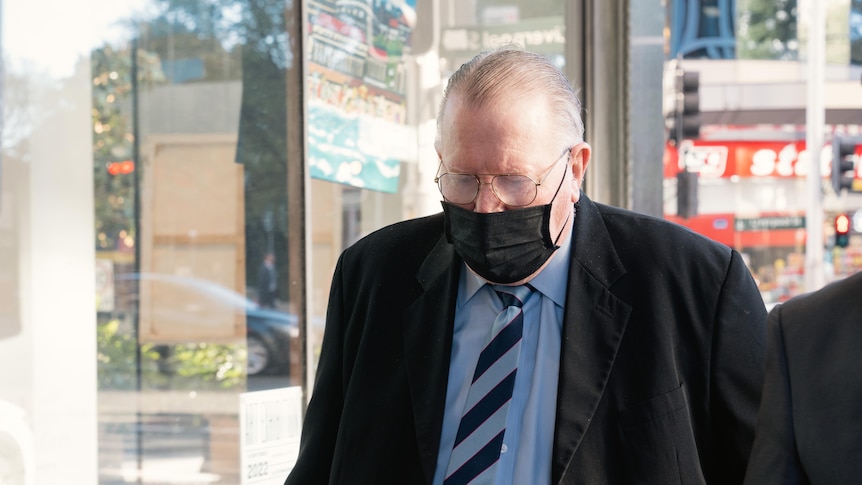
(190,122)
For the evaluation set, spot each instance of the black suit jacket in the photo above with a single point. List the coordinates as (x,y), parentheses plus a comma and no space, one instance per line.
(809,429)
(661,364)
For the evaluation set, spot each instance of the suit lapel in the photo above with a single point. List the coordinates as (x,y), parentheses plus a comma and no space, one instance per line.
(593,326)
(428,323)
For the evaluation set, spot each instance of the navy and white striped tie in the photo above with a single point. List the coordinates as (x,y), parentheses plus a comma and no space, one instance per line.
(480,435)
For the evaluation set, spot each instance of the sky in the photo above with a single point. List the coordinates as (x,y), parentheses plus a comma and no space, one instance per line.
(51,35)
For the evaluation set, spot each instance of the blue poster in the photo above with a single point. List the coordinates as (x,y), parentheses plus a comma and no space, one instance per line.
(334,152)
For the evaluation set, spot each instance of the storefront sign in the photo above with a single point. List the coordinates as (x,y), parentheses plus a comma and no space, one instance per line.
(542,35)
(770,223)
(779,230)
(744,158)
(708,161)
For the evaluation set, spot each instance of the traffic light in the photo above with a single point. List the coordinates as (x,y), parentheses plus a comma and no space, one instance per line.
(121,168)
(682,103)
(844,165)
(842,230)
(686,194)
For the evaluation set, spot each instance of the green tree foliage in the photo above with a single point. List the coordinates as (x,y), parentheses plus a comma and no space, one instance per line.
(114,140)
(195,30)
(225,40)
(182,366)
(767,29)
(242,40)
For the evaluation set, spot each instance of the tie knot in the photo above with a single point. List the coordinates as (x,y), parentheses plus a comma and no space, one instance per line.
(513,295)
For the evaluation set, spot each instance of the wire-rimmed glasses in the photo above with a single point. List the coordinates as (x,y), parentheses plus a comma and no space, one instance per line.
(514,190)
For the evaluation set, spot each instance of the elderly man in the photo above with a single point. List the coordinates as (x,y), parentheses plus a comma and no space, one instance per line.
(527,334)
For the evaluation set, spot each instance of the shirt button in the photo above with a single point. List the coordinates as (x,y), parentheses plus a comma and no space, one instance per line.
(503,448)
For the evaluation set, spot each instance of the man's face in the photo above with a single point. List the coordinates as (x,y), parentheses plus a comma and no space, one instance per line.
(512,138)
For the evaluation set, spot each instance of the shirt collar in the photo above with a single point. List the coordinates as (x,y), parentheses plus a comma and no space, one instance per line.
(551,281)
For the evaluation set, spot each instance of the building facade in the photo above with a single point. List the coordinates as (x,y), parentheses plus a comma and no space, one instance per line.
(178,179)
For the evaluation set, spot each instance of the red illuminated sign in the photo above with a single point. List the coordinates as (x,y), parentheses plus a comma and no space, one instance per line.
(716,159)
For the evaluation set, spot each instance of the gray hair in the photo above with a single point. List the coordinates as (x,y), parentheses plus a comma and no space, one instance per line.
(508,73)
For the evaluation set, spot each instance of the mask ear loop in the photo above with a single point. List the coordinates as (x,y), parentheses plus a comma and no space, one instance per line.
(557,239)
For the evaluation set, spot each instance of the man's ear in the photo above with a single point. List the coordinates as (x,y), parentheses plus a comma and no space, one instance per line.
(579,160)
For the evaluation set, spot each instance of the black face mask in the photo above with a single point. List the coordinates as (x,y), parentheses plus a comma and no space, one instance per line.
(502,247)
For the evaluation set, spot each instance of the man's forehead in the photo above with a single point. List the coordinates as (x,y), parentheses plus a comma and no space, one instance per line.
(519,123)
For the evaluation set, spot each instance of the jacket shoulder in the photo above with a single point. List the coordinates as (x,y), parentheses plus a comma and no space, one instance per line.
(658,235)
(841,292)
(401,244)
(823,309)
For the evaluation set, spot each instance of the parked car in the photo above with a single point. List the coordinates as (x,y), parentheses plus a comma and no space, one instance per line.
(269,333)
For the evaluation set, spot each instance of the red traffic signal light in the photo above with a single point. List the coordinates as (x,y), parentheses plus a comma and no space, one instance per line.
(121,168)
(842,224)
(842,230)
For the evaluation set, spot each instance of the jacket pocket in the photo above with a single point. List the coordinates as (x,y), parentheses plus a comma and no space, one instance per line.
(658,441)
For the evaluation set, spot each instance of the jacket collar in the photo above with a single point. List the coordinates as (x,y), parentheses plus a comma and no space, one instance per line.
(593,326)
(428,327)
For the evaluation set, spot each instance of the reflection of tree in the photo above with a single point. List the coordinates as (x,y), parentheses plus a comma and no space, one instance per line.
(194,30)
(767,29)
(19,116)
(239,39)
(263,130)
(113,140)
(192,41)
(198,366)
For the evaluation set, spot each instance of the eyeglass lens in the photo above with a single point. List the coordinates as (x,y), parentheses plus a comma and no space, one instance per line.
(513,190)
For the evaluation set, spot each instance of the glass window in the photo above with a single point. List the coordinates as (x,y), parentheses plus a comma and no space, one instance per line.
(747,162)
(152,149)
(207,162)
(374,79)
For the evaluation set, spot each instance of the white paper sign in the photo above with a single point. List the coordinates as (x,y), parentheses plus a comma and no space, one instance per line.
(269,424)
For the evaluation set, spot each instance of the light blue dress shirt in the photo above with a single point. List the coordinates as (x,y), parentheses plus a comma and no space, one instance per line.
(529,438)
